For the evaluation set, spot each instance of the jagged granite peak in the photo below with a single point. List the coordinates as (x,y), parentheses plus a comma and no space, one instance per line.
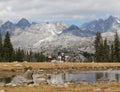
(23,23)
(7,26)
(110,24)
(94,26)
(75,30)
(111,18)
(73,27)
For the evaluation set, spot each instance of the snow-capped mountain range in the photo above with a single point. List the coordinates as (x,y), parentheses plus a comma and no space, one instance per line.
(50,36)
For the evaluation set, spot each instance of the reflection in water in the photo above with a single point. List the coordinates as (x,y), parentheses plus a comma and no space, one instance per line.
(90,77)
(61,78)
(76,78)
(56,79)
(112,76)
(118,77)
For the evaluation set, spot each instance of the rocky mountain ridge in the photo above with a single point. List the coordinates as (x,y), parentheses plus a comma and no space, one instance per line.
(59,36)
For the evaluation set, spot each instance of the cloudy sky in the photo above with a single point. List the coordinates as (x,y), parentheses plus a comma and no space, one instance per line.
(69,11)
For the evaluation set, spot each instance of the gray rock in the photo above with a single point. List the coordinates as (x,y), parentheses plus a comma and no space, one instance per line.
(27,78)
(28,75)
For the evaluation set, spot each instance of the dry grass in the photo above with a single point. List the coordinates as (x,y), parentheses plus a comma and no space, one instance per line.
(10,66)
(61,88)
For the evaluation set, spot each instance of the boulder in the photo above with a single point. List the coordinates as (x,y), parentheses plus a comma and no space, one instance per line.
(27,78)
(39,79)
(28,75)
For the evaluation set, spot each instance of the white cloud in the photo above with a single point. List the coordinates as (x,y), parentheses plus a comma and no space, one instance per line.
(58,10)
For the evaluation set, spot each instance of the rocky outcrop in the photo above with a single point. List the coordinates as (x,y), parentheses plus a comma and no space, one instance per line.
(26,78)
(28,75)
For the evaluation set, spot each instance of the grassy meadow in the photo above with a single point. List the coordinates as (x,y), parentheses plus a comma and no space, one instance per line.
(65,65)
(95,87)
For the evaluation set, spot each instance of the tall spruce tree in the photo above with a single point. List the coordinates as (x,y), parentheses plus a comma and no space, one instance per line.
(40,57)
(106,51)
(98,44)
(7,48)
(19,55)
(116,48)
(112,53)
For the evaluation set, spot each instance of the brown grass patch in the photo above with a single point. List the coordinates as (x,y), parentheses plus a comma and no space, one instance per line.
(66,65)
(62,88)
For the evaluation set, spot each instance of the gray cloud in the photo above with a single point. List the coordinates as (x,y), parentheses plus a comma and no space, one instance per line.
(58,10)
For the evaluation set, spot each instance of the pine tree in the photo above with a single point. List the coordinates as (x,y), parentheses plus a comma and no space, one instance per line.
(116,48)
(112,53)
(98,46)
(7,48)
(106,51)
(20,55)
(101,51)
(14,56)
(40,57)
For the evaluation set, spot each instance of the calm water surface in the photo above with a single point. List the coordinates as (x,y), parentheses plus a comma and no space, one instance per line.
(61,78)
(89,76)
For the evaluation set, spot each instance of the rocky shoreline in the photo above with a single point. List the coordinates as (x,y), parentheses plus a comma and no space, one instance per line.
(53,68)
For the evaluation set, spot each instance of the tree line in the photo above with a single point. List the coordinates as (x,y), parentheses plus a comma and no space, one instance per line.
(106,52)
(9,54)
